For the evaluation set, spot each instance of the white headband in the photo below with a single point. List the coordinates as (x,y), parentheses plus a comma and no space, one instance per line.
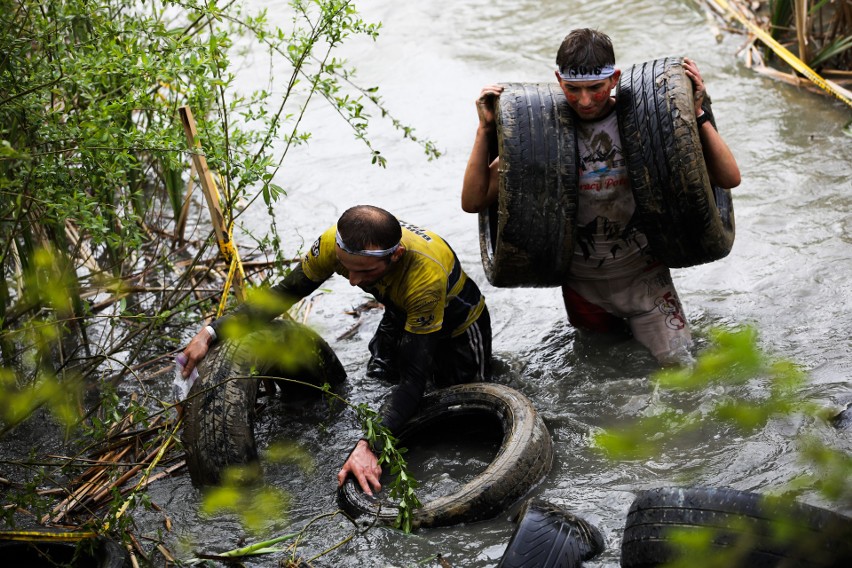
(375,253)
(584,73)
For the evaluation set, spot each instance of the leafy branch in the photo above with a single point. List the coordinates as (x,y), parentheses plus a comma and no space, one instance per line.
(403,485)
(751,388)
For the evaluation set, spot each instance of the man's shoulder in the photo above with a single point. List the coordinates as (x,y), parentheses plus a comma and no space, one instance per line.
(318,261)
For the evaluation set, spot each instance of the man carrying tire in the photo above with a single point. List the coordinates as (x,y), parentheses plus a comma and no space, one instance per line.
(614,282)
(436,326)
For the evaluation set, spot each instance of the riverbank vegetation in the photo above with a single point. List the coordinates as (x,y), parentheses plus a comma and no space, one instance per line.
(817,34)
(105,242)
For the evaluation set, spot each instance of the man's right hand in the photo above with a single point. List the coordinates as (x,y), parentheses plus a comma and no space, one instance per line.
(196,350)
(363,466)
(485,105)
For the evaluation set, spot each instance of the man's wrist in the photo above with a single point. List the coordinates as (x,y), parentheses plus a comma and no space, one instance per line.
(211,332)
(702,118)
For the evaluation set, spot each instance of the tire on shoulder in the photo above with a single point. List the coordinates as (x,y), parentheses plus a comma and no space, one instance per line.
(687,220)
(523,460)
(527,237)
(219,414)
(755,530)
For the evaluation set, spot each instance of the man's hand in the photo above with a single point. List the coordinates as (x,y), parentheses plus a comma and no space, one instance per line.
(196,350)
(698,89)
(364,466)
(485,105)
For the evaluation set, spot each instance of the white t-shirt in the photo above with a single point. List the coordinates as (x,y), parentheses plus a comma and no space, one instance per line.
(607,245)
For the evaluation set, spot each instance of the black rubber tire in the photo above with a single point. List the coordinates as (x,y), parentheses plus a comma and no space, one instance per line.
(220,409)
(527,237)
(814,537)
(843,419)
(547,536)
(100,552)
(686,219)
(524,458)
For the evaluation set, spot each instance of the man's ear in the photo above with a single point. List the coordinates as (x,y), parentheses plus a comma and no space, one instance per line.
(397,254)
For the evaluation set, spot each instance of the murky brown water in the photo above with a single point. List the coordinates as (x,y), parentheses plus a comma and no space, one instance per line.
(789,271)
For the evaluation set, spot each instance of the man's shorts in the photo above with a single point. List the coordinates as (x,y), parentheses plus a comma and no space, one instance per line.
(647,302)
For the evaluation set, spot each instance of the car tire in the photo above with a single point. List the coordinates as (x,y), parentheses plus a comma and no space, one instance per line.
(547,536)
(527,237)
(687,220)
(524,457)
(749,529)
(220,409)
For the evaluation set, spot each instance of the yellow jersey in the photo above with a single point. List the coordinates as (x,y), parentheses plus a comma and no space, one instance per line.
(427,284)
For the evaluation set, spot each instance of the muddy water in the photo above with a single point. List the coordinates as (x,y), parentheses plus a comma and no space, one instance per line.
(789,271)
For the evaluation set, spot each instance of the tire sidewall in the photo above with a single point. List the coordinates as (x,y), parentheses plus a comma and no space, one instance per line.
(523,460)
(808,535)
(220,409)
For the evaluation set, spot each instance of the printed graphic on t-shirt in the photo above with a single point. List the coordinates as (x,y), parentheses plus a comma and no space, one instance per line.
(606,232)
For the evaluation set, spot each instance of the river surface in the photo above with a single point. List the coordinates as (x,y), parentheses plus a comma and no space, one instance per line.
(789,272)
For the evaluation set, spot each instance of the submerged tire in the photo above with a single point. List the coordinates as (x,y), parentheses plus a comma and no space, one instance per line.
(526,237)
(50,551)
(686,219)
(550,537)
(757,531)
(220,409)
(524,458)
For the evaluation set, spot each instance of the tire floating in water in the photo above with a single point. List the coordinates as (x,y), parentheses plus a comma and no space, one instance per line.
(524,457)
(220,409)
(749,529)
(547,536)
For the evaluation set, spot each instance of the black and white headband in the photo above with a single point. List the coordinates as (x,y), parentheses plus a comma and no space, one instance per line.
(586,73)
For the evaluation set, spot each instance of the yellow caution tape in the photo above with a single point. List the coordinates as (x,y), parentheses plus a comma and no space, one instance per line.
(787,56)
(232,256)
(55,536)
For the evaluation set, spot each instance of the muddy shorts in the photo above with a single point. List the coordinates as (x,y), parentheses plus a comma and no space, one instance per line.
(647,303)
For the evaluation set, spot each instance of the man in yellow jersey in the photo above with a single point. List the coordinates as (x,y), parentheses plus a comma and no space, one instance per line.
(436,326)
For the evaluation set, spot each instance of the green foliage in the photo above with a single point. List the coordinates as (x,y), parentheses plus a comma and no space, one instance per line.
(697,546)
(34,381)
(264,547)
(257,505)
(93,155)
(780,15)
(832,49)
(402,487)
(826,25)
(94,170)
(750,388)
(733,360)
